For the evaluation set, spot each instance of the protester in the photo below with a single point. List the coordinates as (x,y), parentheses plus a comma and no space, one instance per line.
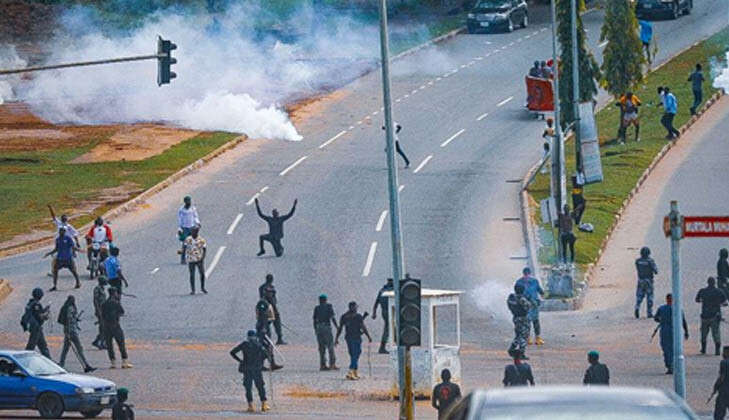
(532,290)
(121,410)
(275,229)
(629,104)
(518,373)
(68,316)
(187,218)
(353,324)
(111,311)
(646,35)
(100,233)
(251,366)
(323,319)
(381,301)
(64,250)
(519,306)
(721,386)
(696,78)
(566,237)
(113,270)
(399,151)
(664,318)
(670,105)
(722,271)
(711,299)
(445,394)
(597,373)
(71,232)
(99,299)
(545,70)
(535,71)
(646,269)
(196,249)
(578,200)
(32,320)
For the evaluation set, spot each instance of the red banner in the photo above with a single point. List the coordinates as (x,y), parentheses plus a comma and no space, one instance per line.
(705,226)
(539,94)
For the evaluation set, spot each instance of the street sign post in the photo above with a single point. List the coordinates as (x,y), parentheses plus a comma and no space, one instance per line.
(678,227)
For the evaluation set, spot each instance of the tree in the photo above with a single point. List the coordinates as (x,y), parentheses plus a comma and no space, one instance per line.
(623,56)
(589,70)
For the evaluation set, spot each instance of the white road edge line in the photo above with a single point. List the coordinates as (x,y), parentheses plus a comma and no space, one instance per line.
(423,163)
(505,101)
(381,221)
(253,199)
(156,269)
(231,229)
(370,259)
(482,116)
(602,44)
(326,143)
(293,165)
(216,258)
(451,138)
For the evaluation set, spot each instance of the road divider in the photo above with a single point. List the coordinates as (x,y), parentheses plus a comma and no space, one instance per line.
(326,143)
(231,229)
(293,165)
(216,259)
(381,221)
(423,163)
(451,138)
(370,259)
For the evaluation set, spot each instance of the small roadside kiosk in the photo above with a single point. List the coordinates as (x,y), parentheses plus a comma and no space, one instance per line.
(440,338)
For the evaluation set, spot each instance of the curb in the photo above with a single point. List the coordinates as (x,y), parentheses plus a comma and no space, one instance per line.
(134,202)
(436,40)
(5,289)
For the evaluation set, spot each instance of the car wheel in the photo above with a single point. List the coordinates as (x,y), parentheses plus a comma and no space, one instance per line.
(49,405)
(91,414)
(689,6)
(674,11)
(510,25)
(525,21)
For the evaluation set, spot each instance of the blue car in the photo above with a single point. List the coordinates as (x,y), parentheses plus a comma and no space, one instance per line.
(31,381)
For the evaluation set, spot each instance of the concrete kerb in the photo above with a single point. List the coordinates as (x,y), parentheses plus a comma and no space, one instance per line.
(136,201)
(530,228)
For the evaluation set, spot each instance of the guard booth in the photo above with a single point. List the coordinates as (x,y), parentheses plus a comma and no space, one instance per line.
(440,340)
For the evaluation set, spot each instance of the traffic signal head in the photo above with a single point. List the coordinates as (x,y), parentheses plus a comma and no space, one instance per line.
(165,61)
(409,316)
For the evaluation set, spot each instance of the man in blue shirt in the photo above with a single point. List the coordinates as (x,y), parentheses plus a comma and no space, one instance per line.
(64,257)
(532,291)
(646,35)
(113,270)
(670,105)
(696,78)
(664,317)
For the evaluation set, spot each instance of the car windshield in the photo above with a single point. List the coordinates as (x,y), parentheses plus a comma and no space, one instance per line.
(581,412)
(492,5)
(37,365)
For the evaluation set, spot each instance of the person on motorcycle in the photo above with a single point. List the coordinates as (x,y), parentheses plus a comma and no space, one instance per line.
(187,218)
(99,235)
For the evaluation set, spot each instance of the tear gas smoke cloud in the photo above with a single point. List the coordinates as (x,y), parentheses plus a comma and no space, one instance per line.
(231,75)
(490,297)
(9,60)
(722,79)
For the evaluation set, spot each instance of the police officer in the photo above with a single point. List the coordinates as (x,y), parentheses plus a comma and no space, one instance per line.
(598,373)
(323,320)
(264,316)
(445,394)
(111,311)
(251,366)
(665,319)
(519,306)
(722,271)
(711,300)
(518,373)
(267,292)
(33,318)
(646,268)
(354,326)
(721,386)
(121,410)
(68,316)
(99,299)
(381,301)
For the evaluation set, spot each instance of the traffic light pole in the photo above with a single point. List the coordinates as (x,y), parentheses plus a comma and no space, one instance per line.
(84,63)
(403,354)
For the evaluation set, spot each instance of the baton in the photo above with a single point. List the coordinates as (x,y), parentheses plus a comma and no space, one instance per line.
(129,295)
(654,333)
(369,361)
(711,396)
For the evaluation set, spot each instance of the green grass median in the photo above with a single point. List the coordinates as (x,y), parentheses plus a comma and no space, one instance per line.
(624,164)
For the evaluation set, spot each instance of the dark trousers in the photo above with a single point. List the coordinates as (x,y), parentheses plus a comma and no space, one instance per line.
(325,340)
(274,241)
(537,327)
(277,323)
(251,377)
(713,325)
(38,339)
(667,121)
(667,347)
(70,339)
(115,333)
(401,153)
(385,329)
(568,240)
(200,265)
(100,338)
(698,96)
(578,212)
(354,347)
(720,406)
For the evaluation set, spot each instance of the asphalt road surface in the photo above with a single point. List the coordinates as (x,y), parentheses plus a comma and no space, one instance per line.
(466,134)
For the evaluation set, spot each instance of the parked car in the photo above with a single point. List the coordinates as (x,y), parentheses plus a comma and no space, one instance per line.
(493,15)
(651,9)
(571,403)
(31,381)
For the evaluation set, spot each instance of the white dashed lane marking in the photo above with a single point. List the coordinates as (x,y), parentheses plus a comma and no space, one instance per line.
(381,221)
(370,259)
(505,101)
(216,259)
(292,166)
(451,138)
(423,163)
(482,116)
(326,143)
(233,225)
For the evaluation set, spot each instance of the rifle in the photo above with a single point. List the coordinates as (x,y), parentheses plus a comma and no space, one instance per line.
(129,295)
(655,332)
(711,396)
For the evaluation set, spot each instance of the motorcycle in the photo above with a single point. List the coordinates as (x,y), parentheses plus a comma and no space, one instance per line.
(99,252)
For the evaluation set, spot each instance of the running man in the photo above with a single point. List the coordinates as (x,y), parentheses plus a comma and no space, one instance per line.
(646,36)
(629,104)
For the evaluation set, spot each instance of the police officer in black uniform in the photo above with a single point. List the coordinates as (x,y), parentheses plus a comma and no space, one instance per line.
(111,311)
(381,301)
(445,394)
(68,316)
(251,366)
(121,410)
(33,319)
(323,320)
(267,292)
(722,271)
(99,299)
(264,314)
(518,373)
(711,299)
(646,269)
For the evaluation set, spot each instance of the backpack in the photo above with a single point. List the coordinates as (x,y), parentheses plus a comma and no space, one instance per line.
(27,316)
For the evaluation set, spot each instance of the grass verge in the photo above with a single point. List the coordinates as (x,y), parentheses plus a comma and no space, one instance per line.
(31,180)
(624,164)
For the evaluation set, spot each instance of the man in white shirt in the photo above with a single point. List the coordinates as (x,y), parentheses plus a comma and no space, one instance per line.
(187,218)
(71,232)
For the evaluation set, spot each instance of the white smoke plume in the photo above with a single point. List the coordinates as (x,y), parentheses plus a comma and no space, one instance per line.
(722,79)
(9,60)
(230,76)
(490,297)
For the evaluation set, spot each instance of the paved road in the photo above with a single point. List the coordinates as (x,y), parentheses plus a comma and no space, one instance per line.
(466,135)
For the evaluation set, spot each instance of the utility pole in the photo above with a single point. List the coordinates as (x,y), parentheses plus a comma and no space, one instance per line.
(559,185)
(576,90)
(403,354)
(679,373)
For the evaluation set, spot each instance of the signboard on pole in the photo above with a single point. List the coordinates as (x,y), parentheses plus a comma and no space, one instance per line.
(590,146)
(701,226)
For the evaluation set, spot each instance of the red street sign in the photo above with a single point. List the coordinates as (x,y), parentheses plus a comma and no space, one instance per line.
(706,226)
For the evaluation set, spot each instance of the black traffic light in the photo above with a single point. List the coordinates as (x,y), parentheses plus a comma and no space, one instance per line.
(165,61)
(409,316)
